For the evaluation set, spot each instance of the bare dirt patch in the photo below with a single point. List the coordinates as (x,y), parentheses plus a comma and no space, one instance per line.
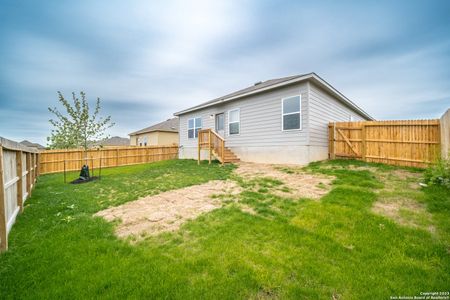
(395,180)
(398,199)
(349,167)
(169,210)
(296,184)
(405,211)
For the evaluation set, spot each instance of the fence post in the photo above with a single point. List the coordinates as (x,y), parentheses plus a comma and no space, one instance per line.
(363,142)
(38,163)
(198,137)
(28,174)
(444,123)
(20,182)
(332,130)
(117,157)
(223,152)
(35,167)
(33,164)
(92,165)
(3,228)
(210,150)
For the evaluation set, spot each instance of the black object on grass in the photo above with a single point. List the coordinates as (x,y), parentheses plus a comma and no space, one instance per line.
(84,176)
(79,180)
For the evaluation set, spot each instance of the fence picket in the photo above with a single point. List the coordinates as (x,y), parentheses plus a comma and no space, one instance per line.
(52,161)
(414,143)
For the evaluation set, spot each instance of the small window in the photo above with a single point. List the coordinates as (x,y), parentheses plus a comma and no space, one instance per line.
(194,125)
(351,118)
(291,113)
(219,122)
(234,122)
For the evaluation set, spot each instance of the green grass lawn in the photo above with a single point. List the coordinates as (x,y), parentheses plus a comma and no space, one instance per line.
(336,247)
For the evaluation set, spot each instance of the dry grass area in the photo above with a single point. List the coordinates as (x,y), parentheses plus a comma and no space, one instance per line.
(151,215)
(296,183)
(400,199)
(404,211)
(169,210)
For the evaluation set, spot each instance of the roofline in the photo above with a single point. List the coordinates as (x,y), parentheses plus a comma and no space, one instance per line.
(281,84)
(149,131)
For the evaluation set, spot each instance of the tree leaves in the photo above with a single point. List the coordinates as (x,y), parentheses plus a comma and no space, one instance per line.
(77,127)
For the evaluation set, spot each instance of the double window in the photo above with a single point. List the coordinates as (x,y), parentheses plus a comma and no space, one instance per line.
(234,121)
(291,113)
(194,125)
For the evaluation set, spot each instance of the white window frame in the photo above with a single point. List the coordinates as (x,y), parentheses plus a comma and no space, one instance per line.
(291,113)
(239,122)
(193,118)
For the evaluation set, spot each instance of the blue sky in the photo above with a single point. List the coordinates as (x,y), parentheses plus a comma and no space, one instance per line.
(148,59)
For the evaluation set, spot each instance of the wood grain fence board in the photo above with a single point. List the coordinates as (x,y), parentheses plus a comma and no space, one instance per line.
(3,219)
(52,161)
(414,143)
(13,183)
(19,172)
(445,134)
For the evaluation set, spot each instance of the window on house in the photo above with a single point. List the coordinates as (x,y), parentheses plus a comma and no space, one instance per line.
(350,118)
(234,122)
(194,125)
(291,113)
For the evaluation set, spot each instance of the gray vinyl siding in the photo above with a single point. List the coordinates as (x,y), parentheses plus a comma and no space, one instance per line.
(260,120)
(324,108)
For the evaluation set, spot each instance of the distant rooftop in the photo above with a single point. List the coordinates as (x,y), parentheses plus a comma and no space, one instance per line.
(32,145)
(112,141)
(170,125)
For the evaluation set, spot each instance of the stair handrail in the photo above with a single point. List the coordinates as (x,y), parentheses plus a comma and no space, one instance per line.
(218,147)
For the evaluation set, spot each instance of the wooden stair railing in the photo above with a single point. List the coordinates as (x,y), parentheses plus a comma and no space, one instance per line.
(212,141)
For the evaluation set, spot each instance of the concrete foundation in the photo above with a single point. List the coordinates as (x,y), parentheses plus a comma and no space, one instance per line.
(300,155)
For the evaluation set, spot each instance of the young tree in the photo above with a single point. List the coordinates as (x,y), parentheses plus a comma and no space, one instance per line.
(77,127)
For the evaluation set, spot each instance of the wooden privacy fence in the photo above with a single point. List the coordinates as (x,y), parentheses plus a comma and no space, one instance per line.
(414,143)
(18,173)
(53,161)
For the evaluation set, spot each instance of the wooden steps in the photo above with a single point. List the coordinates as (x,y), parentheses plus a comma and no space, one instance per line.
(230,157)
(208,139)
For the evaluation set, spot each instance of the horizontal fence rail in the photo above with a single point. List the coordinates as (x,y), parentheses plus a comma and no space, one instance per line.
(53,161)
(18,173)
(413,143)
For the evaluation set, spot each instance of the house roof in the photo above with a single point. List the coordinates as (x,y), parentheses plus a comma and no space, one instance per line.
(112,141)
(32,145)
(170,125)
(267,85)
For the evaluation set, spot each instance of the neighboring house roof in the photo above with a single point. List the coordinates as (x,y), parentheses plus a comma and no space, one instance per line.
(32,145)
(112,141)
(267,85)
(170,125)
(116,141)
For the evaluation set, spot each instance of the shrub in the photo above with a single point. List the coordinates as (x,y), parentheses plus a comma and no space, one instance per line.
(439,173)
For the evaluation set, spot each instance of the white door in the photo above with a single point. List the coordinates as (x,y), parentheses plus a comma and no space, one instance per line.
(220,124)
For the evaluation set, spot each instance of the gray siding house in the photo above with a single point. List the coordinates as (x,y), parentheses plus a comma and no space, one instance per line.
(282,120)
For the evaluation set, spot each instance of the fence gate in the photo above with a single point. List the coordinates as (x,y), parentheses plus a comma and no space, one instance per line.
(347,140)
(414,143)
